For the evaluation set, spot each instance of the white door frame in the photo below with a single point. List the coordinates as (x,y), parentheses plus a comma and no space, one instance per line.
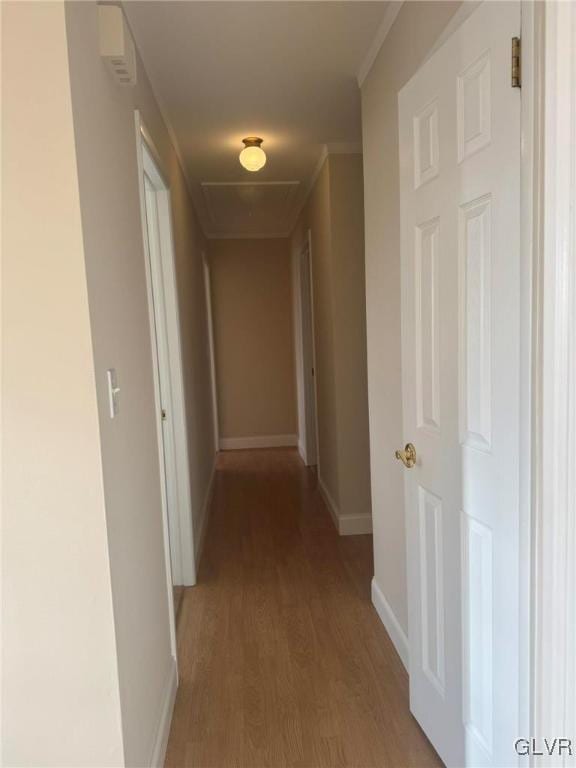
(211,350)
(530,31)
(554,461)
(148,159)
(307,443)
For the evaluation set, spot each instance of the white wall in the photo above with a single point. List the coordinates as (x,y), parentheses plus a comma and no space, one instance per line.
(417,27)
(60,682)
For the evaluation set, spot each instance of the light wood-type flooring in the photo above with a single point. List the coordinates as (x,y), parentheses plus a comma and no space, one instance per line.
(283,660)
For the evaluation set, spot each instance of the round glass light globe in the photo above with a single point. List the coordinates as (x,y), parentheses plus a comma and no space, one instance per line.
(253,158)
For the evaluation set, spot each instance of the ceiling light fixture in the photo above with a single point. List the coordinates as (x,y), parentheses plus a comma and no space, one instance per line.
(252,157)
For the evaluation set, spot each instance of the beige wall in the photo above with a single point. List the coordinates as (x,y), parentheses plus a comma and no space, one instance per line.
(88,645)
(334,215)
(253,339)
(60,699)
(109,192)
(412,36)
(347,206)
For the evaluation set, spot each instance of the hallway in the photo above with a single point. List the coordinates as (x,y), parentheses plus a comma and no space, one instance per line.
(283,660)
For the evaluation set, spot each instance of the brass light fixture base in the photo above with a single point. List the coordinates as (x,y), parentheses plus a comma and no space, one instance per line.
(252,141)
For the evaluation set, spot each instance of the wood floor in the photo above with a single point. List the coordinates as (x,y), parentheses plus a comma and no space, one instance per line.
(283,660)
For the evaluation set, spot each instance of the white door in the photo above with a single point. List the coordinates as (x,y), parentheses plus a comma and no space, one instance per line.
(460,209)
(162,358)
(308,357)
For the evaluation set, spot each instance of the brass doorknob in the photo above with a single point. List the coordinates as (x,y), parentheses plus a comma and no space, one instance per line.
(407,456)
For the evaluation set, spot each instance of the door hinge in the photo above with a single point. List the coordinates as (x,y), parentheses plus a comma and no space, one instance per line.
(163,414)
(516,73)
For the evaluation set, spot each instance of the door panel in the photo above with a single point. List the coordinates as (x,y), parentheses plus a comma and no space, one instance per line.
(427,349)
(459,122)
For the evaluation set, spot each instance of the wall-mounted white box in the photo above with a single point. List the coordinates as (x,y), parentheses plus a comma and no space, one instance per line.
(116,44)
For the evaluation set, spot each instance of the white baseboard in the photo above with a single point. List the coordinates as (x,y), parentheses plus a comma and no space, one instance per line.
(165,720)
(346,525)
(353,525)
(301,451)
(391,623)
(258,441)
(330,503)
(206,509)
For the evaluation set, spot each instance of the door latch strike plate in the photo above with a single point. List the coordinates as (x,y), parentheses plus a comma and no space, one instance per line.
(516,73)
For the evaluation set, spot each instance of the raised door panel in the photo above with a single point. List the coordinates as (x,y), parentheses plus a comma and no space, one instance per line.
(426,275)
(430,524)
(475,254)
(474,108)
(426,145)
(478,610)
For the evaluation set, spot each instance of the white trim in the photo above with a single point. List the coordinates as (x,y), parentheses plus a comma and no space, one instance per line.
(310,185)
(388,20)
(554,619)
(140,137)
(531,51)
(333,148)
(314,356)
(315,173)
(211,349)
(258,441)
(355,525)
(391,624)
(249,183)
(329,501)
(244,236)
(167,123)
(346,525)
(306,381)
(158,752)
(206,511)
(2,471)
(344,148)
(176,395)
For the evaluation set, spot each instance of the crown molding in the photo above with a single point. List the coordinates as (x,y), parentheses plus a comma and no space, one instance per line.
(249,183)
(344,148)
(315,173)
(170,130)
(244,236)
(385,26)
(331,148)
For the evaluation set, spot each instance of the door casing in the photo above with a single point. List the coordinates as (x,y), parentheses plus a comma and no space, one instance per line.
(148,159)
(308,442)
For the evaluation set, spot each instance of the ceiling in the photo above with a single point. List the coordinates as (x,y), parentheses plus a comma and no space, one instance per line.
(285,71)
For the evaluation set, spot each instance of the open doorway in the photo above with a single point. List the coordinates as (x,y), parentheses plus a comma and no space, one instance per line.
(167,364)
(308,440)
